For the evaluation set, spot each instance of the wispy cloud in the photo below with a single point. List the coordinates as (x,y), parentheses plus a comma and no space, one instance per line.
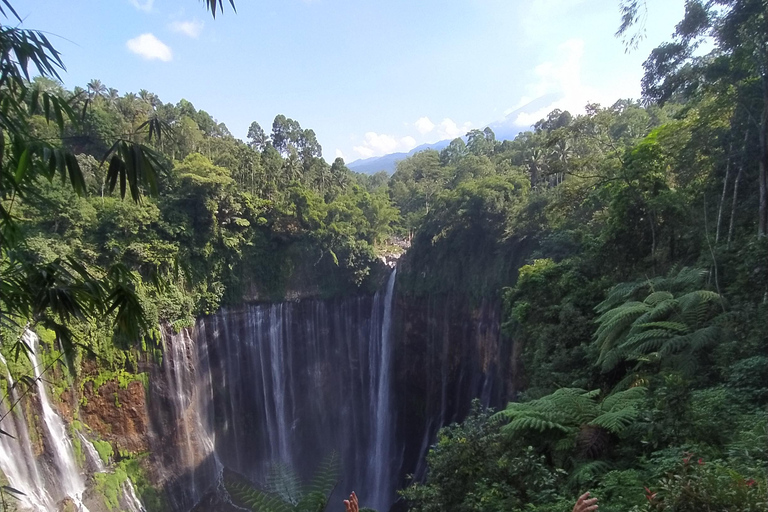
(150,48)
(445,129)
(562,83)
(143,5)
(188,28)
(560,78)
(377,144)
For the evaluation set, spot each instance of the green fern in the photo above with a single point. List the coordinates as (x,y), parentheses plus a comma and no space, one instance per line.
(572,417)
(659,320)
(284,492)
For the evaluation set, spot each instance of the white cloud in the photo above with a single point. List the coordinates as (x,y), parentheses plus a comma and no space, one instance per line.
(378,144)
(561,80)
(188,28)
(445,129)
(143,5)
(424,125)
(150,47)
(448,129)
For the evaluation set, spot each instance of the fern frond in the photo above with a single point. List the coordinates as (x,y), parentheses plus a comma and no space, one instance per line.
(588,472)
(245,495)
(657,297)
(533,423)
(628,398)
(327,475)
(674,327)
(616,421)
(283,481)
(661,311)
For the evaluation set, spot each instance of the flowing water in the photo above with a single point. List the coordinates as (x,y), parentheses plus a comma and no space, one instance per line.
(91,455)
(286,383)
(45,480)
(69,476)
(17,458)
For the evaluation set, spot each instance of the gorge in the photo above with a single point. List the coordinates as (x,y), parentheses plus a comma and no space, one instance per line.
(369,378)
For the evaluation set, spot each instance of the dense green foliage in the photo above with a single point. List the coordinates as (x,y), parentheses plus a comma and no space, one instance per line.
(628,246)
(640,315)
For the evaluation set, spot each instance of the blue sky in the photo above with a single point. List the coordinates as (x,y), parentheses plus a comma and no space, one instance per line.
(369,77)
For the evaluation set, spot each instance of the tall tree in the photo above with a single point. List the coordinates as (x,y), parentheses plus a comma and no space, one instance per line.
(739,29)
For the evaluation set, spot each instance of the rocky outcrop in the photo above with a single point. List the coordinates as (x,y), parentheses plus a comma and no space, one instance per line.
(118,415)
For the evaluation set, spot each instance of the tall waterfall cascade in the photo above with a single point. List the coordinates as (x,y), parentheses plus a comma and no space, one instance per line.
(17,460)
(369,378)
(286,383)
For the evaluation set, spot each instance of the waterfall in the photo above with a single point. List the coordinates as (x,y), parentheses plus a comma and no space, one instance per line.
(17,459)
(286,383)
(380,463)
(132,501)
(188,384)
(92,455)
(69,476)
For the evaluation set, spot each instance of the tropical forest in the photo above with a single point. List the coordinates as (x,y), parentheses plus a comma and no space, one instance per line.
(566,316)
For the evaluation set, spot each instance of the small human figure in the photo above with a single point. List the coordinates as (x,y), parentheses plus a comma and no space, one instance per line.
(584,503)
(352,504)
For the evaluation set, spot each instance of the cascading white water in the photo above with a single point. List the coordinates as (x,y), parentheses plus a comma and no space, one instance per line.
(92,455)
(132,501)
(70,479)
(380,466)
(17,460)
(17,456)
(188,384)
(288,382)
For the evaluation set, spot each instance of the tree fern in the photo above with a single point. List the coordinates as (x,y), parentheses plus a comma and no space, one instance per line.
(572,417)
(659,318)
(285,483)
(284,492)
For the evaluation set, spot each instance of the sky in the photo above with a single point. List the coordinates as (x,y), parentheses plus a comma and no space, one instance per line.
(369,77)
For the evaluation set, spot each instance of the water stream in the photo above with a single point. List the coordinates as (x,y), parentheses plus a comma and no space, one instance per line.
(283,383)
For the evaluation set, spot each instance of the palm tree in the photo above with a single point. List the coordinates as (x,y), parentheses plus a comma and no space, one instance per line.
(112,96)
(535,161)
(96,89)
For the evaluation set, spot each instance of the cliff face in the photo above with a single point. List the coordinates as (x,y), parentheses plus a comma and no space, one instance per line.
(371,377)
(447,354)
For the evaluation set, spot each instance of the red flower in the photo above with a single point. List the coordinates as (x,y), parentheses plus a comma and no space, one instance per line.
(649,495)
(701,462)
(750,482)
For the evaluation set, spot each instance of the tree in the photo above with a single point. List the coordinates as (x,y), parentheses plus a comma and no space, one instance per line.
(674,324)
(574,418)
(257,138)
(739,29)
(96,89)
(64,292)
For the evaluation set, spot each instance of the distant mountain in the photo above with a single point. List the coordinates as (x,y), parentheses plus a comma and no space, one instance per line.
(504,129)
(388,163)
